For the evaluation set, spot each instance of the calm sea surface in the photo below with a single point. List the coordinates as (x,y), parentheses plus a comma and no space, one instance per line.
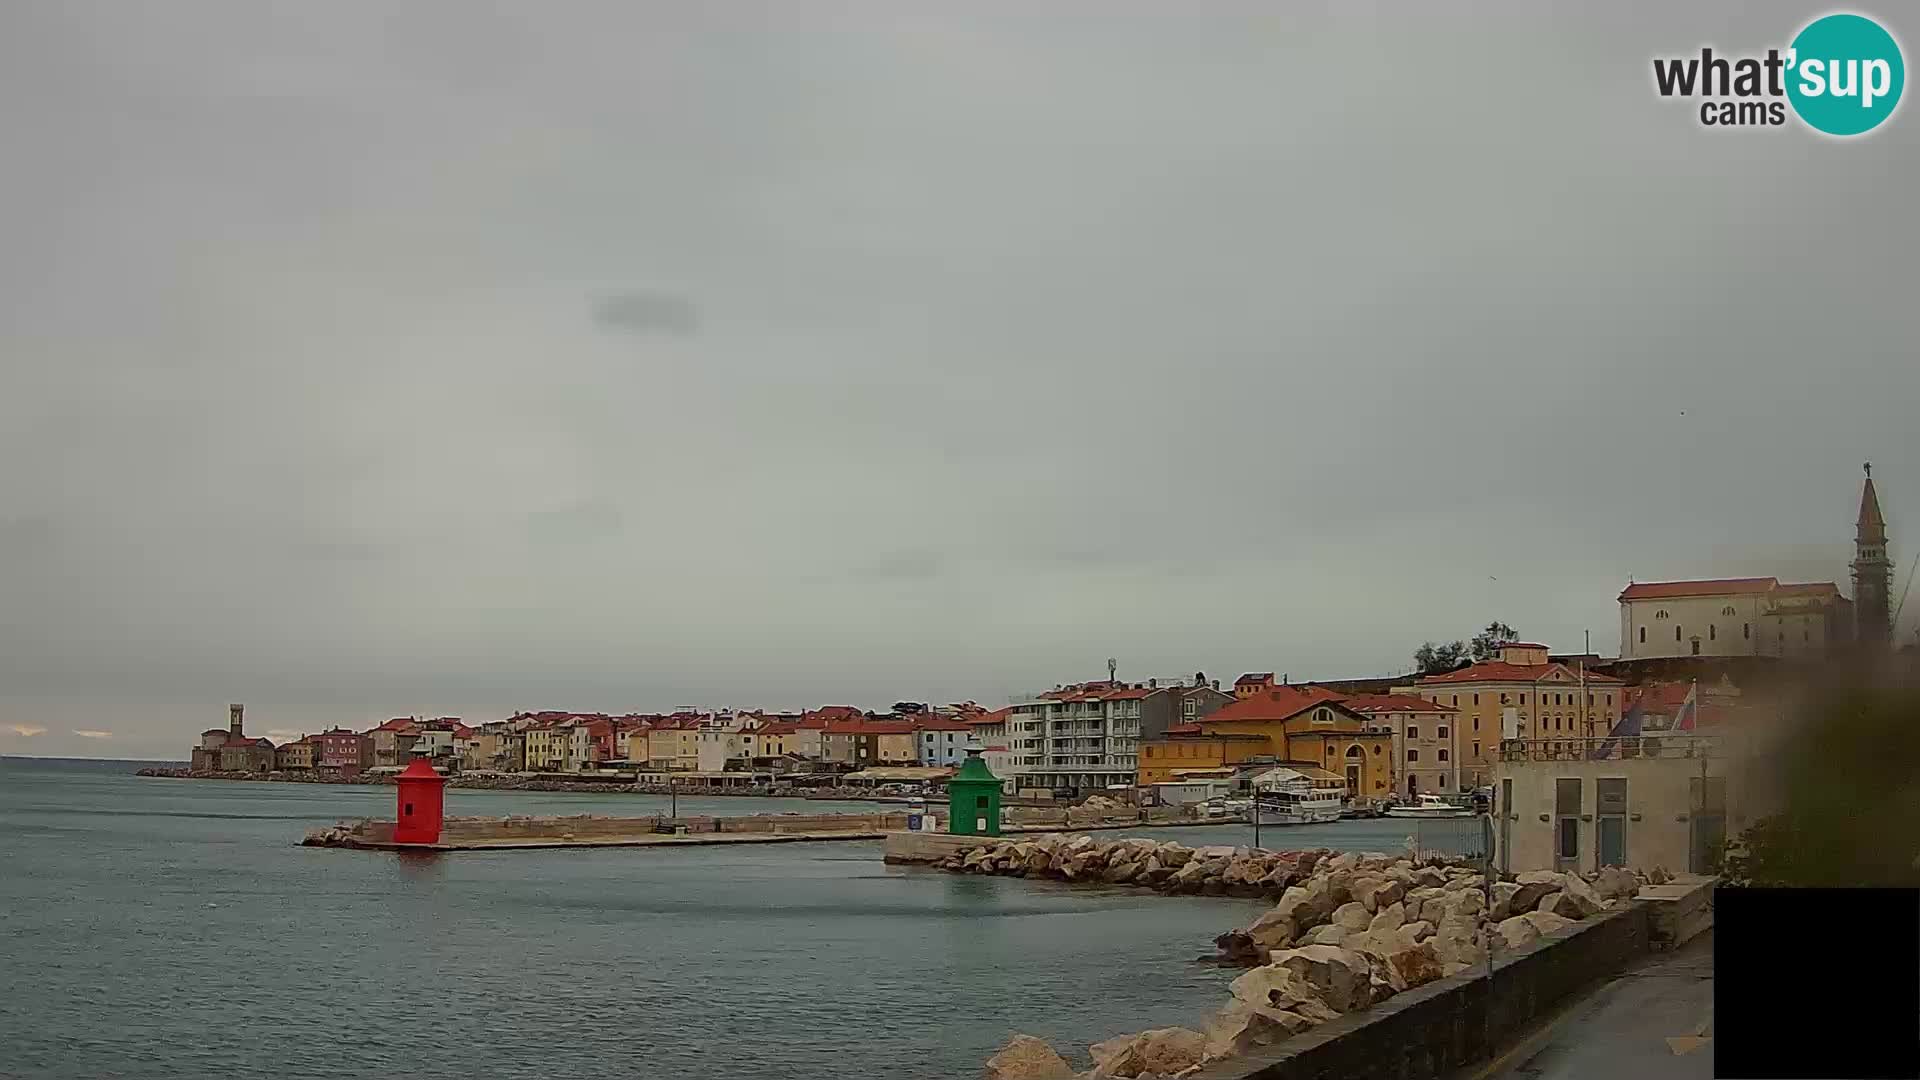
(171,928)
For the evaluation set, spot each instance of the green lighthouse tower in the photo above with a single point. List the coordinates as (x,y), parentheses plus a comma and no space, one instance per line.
(973,799)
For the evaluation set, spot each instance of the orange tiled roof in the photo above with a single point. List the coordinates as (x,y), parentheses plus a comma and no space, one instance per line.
(1279,703)
(1659,590)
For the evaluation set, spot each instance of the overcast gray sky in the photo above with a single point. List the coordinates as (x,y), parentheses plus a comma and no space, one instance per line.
(372,359)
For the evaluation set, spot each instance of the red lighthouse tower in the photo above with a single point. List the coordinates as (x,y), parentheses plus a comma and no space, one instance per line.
(422,803)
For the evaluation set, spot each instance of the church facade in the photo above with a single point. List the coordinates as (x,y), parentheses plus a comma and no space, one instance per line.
(1736,617)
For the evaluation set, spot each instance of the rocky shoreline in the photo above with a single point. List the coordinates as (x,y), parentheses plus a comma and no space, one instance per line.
(1347,932)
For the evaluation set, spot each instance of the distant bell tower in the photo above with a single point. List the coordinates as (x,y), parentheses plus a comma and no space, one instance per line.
(1872,570)
(234,715)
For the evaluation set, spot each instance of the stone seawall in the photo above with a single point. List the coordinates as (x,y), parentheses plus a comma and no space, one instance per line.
(587,829)
(1432,1031)
(1350,935)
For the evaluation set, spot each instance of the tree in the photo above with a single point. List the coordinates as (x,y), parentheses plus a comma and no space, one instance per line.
(1486,643)
(1432,659)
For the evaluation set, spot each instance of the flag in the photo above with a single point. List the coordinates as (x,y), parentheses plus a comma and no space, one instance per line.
(1628,727)
(1689,709)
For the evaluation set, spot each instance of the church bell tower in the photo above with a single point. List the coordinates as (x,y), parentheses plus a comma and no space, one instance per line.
(1872,571)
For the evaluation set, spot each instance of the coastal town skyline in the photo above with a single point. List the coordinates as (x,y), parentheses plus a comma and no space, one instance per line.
(1800,620)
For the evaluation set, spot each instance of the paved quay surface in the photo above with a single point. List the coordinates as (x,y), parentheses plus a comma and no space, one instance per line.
(1652,1023)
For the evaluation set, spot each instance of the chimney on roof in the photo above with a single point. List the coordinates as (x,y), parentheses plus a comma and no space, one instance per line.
(1216,684)
(1199,678)
(1153,684)
(1286,679)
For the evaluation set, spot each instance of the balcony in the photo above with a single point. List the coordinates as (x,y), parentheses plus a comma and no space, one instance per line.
(1630,748)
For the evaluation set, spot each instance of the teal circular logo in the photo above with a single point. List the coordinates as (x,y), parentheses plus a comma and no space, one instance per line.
(1845,74)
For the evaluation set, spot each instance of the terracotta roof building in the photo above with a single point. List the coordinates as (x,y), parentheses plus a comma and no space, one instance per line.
(1521,695)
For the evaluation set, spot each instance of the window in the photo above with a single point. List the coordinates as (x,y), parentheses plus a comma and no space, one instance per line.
(1442,733)
(1713,632)
(1643,635)
(1413,755)
(1662,614)
(1456,699)
(1413,731)
(1476,723)
(1728,610)
(1376,749)
(1746,631)
(1476,699)
(1443,755)
(1476,749)
(1676,633)
(1609,699)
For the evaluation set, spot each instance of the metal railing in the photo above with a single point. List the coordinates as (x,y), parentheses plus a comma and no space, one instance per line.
(1619,748)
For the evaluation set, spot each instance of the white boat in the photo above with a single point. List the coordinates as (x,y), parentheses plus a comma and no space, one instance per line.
(1292,797)
(1428,806)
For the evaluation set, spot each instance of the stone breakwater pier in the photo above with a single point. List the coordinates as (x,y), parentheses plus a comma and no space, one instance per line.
(1354,945)
(592,831)
(585,831)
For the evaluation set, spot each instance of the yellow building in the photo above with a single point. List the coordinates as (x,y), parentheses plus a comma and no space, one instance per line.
(1187,749)
(546,748)
(677,749)
(1311,725)
(1522,695)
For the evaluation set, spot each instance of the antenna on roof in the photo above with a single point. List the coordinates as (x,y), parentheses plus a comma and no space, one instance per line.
(1112,666)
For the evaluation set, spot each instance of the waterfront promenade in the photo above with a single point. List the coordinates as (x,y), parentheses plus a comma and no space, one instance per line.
(1654,1022)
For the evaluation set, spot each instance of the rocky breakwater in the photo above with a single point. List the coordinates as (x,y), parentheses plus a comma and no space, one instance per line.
(1353,931)
(1162,865)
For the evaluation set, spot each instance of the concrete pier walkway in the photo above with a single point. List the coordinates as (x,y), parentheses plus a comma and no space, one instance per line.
(1654,1022)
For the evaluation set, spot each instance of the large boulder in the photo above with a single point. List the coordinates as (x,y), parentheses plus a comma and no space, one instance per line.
(1466,902)
(1173,856)
(1273,929)
(1503,894)
(1168,1051)
(1028,1058)
(1527,894)
(1352,916)
(1547,922)
(1581,897)
(1517,932)
(1327,934)
(1457,940)
(1242,1026)
(1554,879)
(1383,893)
(1305,905)
(1564,905)
(1415,966)
(1414,932)
(1120,873)
(1278,987)
(1339,976)
(1389,918)
(1616,883)
(1238,950)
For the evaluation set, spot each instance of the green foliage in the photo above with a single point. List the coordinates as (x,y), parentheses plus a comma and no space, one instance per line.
(1486,644)
(1431,659)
